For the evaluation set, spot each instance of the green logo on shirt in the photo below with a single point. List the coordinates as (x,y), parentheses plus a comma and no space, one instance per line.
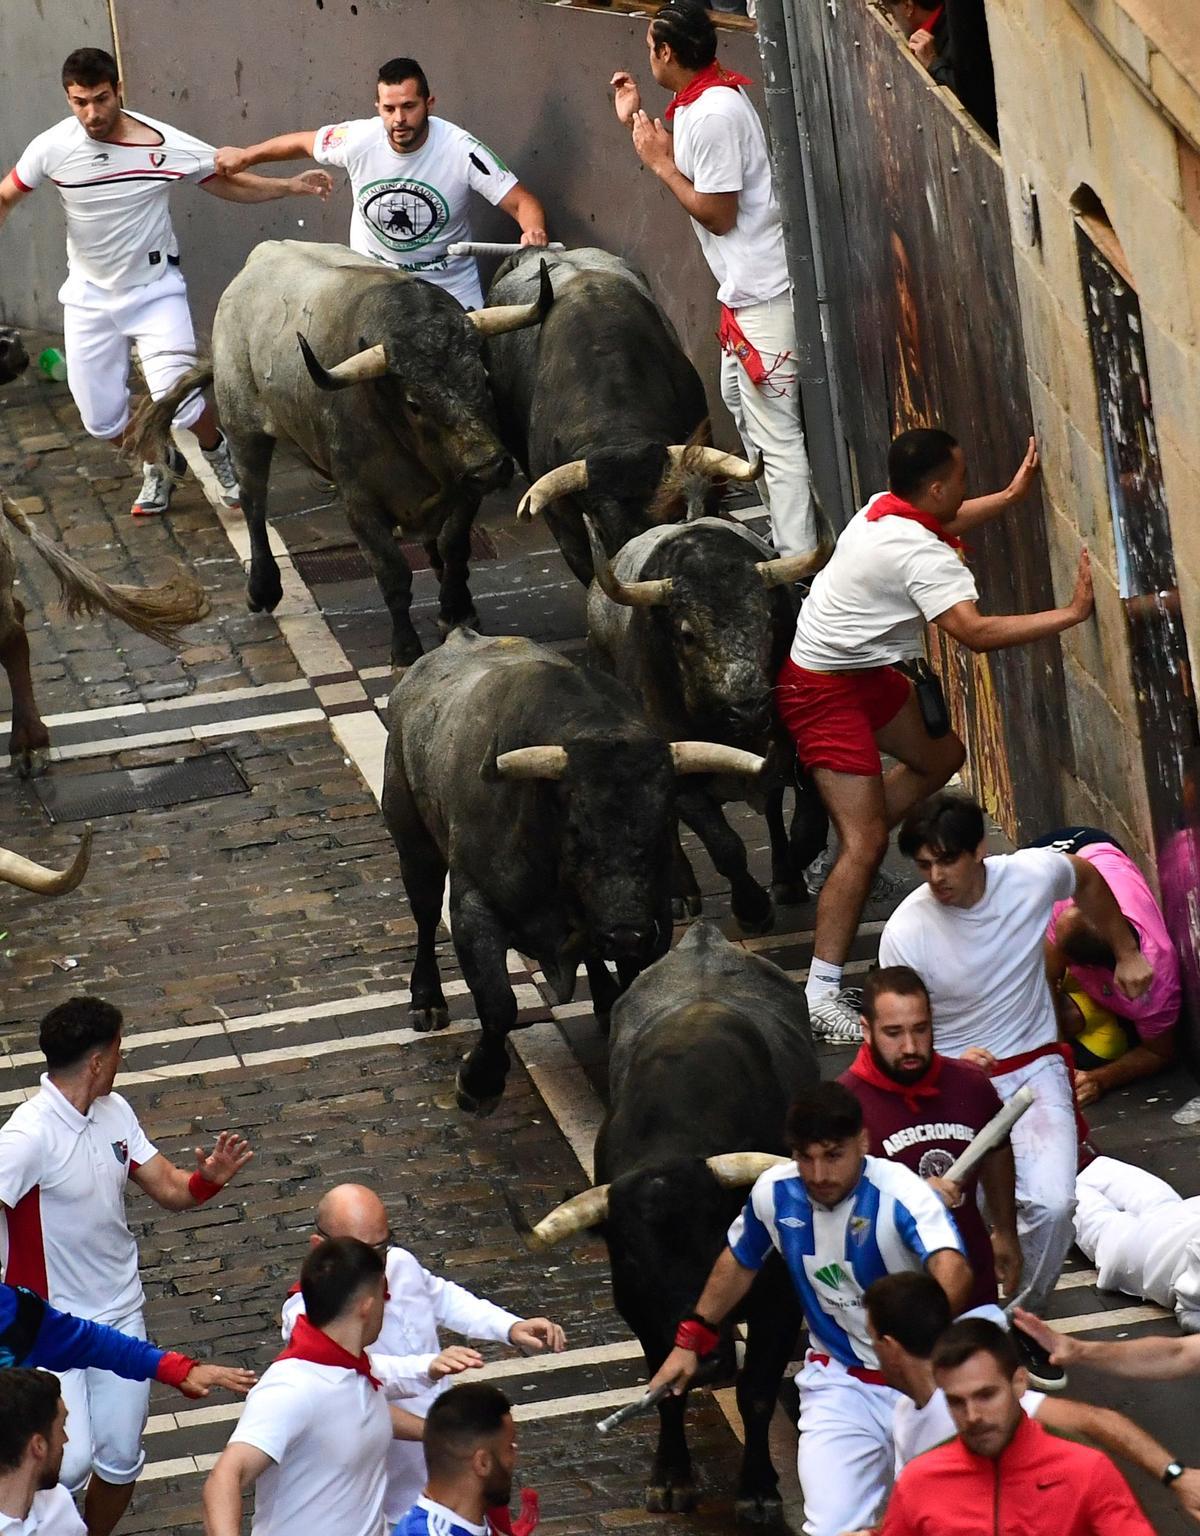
(403,215)
(831,1275)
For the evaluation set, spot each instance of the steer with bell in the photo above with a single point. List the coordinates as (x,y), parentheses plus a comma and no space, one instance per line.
(602,407)
(550,802)
(377,378)
(695,619)
(708,1048)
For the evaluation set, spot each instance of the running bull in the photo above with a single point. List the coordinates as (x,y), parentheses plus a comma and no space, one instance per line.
(402,422)
(695,619)
(709,1046)
(550,802)
(601,406)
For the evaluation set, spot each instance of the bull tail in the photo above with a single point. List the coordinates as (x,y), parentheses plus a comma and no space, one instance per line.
(159,612)
(149,431)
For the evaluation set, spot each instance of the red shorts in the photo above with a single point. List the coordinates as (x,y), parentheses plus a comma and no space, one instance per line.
(833,716)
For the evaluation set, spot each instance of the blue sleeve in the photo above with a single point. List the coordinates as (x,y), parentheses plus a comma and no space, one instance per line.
(65,1343)
(748,1238)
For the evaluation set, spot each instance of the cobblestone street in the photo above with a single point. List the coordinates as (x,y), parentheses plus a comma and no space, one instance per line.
(259,944)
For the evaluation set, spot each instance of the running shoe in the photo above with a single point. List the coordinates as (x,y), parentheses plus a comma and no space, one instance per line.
(883,887)
(221,464)
(837,1017)
(158,481)
(1044,1375)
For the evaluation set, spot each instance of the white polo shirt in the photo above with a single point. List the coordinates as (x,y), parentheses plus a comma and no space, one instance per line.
(52,1513)
(116,197)
(984,964)
(62,1182)
(870,604)
(327,1430)
(720,146)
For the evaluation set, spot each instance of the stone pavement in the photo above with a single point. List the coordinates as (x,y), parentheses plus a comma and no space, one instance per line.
(259,944)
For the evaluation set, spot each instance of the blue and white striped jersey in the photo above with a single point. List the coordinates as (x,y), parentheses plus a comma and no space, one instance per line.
(426,1518)
(890,1221)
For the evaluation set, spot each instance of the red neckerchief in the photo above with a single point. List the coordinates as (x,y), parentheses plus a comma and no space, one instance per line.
(714,74)
(526,1522)
(888,505)
(935,18)
(865,1066)
(309,1343)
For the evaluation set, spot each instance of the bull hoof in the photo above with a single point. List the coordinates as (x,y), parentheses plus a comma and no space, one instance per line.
(762,1509)
(684,908)
(668,1498)
(435,1016)
(790,893)
(471,1103)
(469,620)
(30,763)
(757,916)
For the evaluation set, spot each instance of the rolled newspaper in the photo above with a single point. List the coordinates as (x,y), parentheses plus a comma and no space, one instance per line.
(493,248)
(991,1136)
(642,1404)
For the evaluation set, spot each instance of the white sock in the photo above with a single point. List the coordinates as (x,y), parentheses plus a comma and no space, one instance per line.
(823,980)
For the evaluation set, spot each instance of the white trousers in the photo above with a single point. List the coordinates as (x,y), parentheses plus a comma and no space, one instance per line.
(1141,1235)
(1045,1150)
(106,1417)
(99,328)
(846,1458)
(406,1477)
(768,420)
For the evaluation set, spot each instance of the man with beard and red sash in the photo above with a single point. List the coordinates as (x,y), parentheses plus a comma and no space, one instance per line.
(897,566)
(313,1438)
(924,1110)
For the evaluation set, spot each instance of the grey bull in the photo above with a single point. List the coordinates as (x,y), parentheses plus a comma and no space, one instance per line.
(709,1045)
(541,791)
(377,378)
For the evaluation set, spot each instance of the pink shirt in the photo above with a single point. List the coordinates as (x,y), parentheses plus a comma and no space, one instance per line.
(1158,1010)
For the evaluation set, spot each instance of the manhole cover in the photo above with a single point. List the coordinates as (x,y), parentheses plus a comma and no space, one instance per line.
(346,562)
(117,792)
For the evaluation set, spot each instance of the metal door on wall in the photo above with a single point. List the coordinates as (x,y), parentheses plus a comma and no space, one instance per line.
(1148,589)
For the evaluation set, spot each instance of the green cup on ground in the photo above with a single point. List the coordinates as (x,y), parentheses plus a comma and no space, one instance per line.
(53,364)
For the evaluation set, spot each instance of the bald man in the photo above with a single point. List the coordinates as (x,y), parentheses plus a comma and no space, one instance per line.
(418,1304)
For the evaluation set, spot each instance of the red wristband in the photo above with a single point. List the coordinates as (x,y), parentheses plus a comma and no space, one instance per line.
(697,1336)
(202,1189)
(173,1368)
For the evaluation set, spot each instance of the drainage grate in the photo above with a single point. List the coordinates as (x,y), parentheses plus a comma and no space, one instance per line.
(346,562)
(117,792)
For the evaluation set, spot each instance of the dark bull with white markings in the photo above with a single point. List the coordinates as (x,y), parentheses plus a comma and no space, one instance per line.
(600,406)
(543,793)
(708,1047)
(696,619)
(377,378)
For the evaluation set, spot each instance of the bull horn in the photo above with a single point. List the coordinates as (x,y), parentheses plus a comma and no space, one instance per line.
(563,481)
(370,363)
(532,763)
(49,882)
(712,757)
(735,1170)
(574,1215)
(514,317)
(789,568)
(630,594)
(713,462)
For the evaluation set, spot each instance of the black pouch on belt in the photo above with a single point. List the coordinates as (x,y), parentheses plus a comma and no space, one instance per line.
(931,697)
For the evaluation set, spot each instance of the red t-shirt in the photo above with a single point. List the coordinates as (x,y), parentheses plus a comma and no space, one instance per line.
(930,1140)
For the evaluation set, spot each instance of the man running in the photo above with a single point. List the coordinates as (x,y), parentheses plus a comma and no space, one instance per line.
(411,176)
(470,1448)
(841,1220)
(114,170)
(66,1156)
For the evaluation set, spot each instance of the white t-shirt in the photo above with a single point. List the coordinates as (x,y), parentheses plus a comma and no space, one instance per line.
(62,1182)
(720,146)
(116,196)
(52,1513)
(869,606)
(983,965)
(917,1430)
(327,1430)
(409,208)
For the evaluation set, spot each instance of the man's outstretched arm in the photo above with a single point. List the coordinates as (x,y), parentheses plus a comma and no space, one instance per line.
(285,146)
(248,188)
(1153,1359)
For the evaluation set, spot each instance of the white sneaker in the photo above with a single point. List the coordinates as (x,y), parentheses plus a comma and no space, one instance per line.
(836,1017)
(221,464)
(158,481)
(883,887)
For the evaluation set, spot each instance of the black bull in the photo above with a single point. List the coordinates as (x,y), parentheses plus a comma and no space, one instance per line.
(550,802)
(709,1045)
(402,421)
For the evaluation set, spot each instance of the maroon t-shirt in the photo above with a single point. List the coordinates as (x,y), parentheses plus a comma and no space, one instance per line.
(930,1140)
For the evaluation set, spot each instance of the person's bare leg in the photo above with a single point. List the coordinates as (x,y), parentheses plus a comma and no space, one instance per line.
(206,429)
(105,1504)
(857,809)
(923,765)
